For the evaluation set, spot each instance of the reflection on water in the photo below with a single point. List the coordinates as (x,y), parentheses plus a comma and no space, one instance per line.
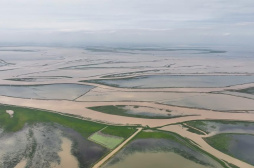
(242,146)
(152,160)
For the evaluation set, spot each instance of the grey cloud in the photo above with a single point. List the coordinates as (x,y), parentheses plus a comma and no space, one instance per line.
(163,21)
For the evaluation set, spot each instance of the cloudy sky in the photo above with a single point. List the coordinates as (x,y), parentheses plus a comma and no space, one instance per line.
(180,22)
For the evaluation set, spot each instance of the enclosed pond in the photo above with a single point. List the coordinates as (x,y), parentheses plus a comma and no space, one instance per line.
(51,91)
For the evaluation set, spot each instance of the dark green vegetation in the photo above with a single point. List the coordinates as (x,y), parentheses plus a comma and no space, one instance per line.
(247,90)
(240,146)
(158,135)
(220,141)
(116,110)
(122,111)
(232,165)
(198,124)
(24,115)
(193,130)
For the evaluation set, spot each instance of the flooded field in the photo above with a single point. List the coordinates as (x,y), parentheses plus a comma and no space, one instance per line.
(214,102)
(167,153)
(165,81)
(53,91)
(240,146)
(217,127)
(46,145)
(127,97)
(151,160)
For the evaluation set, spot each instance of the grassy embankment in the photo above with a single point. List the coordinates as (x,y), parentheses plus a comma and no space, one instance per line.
(24,116)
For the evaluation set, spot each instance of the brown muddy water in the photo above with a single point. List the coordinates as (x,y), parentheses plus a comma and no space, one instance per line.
(67,159)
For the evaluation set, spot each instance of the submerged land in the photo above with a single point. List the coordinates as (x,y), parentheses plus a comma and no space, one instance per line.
(126,107)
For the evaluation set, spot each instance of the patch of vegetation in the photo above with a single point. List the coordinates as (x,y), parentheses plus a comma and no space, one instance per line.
(219,141)
(193,130)
(106,140)
(197,124)
(119,110)
(159,135)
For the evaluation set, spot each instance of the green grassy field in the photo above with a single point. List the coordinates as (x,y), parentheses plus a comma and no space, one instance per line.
(219,141)
(24,116)
(106,140)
